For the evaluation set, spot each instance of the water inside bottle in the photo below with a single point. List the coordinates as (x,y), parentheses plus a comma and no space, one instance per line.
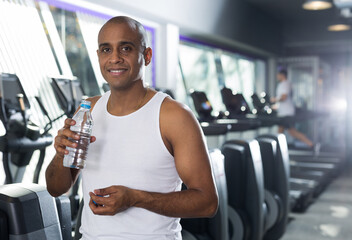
(77,156)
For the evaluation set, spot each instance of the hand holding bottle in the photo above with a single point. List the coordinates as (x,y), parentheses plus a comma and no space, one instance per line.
(82,129)
(61,140)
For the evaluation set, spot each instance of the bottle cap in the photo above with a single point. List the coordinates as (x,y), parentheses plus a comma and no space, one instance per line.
(85,104)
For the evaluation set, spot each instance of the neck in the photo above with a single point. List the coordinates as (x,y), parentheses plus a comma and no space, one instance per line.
(125,101)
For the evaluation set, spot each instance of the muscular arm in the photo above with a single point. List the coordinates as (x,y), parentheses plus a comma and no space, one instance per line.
(59,179)
(183,137)
(283,97)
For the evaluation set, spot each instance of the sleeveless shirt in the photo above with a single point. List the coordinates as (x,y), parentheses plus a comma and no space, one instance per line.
(286,108)
(129,151)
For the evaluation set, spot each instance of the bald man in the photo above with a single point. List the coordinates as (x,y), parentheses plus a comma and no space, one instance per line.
(144,145)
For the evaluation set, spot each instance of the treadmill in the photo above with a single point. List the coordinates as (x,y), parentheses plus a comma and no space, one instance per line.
(321,172)
(204,110)
(302,190)
(238,108)
(303,178)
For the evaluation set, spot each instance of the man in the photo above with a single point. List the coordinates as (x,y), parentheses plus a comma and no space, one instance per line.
(286,108)
(143,145)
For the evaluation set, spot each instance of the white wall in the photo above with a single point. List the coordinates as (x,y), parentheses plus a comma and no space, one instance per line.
(197,15)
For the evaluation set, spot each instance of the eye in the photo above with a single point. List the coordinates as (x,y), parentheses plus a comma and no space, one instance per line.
(126,49)
(105,50)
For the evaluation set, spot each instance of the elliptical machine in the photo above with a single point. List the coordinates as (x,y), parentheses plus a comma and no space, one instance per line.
(22,136)
(27,211)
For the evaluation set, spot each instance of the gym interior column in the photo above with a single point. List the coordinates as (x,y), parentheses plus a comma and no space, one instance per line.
(349,110)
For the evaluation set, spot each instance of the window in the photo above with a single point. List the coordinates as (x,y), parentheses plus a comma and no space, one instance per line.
(208,69)
(199,72)
(76,51)
(231,72)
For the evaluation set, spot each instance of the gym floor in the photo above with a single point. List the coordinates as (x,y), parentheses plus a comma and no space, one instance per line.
(329,217)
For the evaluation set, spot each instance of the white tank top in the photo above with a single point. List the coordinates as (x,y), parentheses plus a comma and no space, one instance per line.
(129,151)
(286,108)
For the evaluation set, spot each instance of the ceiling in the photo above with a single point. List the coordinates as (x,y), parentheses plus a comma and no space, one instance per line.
(292,11)
(306,31)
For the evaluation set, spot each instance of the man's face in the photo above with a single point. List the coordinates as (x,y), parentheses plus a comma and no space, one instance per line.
(121,57)
(280,77)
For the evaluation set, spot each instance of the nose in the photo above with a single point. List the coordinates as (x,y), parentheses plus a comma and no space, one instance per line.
(115,57)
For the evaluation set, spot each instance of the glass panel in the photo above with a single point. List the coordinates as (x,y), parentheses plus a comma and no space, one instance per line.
(246,69)
(198,65)
(260,74)
(239,75)
(76,51)
(208,69)
(54,38)
(149,70)
(90,26)
(231,73)
(301,78)
(181,92)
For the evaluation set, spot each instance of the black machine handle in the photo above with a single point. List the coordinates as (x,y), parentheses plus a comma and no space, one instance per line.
(20,99)
(3,116)
(49,125)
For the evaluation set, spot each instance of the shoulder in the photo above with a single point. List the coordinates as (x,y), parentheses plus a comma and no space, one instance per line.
(178,124)
(174,110)
(286,83)
(176,119)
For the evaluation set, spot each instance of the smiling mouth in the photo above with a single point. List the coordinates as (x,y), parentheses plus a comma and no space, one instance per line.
(116,70)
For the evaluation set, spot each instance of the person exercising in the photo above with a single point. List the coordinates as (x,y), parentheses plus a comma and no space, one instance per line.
(286,108)
(143,146)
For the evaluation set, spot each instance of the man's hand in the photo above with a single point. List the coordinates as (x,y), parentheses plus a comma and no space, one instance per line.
(111,200)
(61,140)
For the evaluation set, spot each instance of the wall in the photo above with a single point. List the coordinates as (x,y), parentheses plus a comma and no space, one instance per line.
(237,20)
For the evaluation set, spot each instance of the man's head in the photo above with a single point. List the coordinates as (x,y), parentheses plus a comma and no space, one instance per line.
(122,51)
(281,75)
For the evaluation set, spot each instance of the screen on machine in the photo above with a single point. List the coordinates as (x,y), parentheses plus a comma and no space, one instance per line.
(77,92)
(63,93)
(63,86)
(10,88)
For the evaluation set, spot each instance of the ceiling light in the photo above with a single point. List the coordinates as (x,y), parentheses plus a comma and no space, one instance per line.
(339,27)
(317,5)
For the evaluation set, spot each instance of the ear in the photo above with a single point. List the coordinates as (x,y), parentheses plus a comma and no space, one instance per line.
(148,53)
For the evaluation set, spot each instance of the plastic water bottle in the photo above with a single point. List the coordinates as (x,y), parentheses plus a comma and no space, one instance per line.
(77,156)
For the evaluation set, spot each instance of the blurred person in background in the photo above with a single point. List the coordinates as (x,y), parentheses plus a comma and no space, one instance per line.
(286,109)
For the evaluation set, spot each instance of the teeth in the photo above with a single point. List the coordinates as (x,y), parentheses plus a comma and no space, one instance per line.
(116,71)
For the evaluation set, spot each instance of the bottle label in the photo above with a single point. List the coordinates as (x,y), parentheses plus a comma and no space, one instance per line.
(85,106)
